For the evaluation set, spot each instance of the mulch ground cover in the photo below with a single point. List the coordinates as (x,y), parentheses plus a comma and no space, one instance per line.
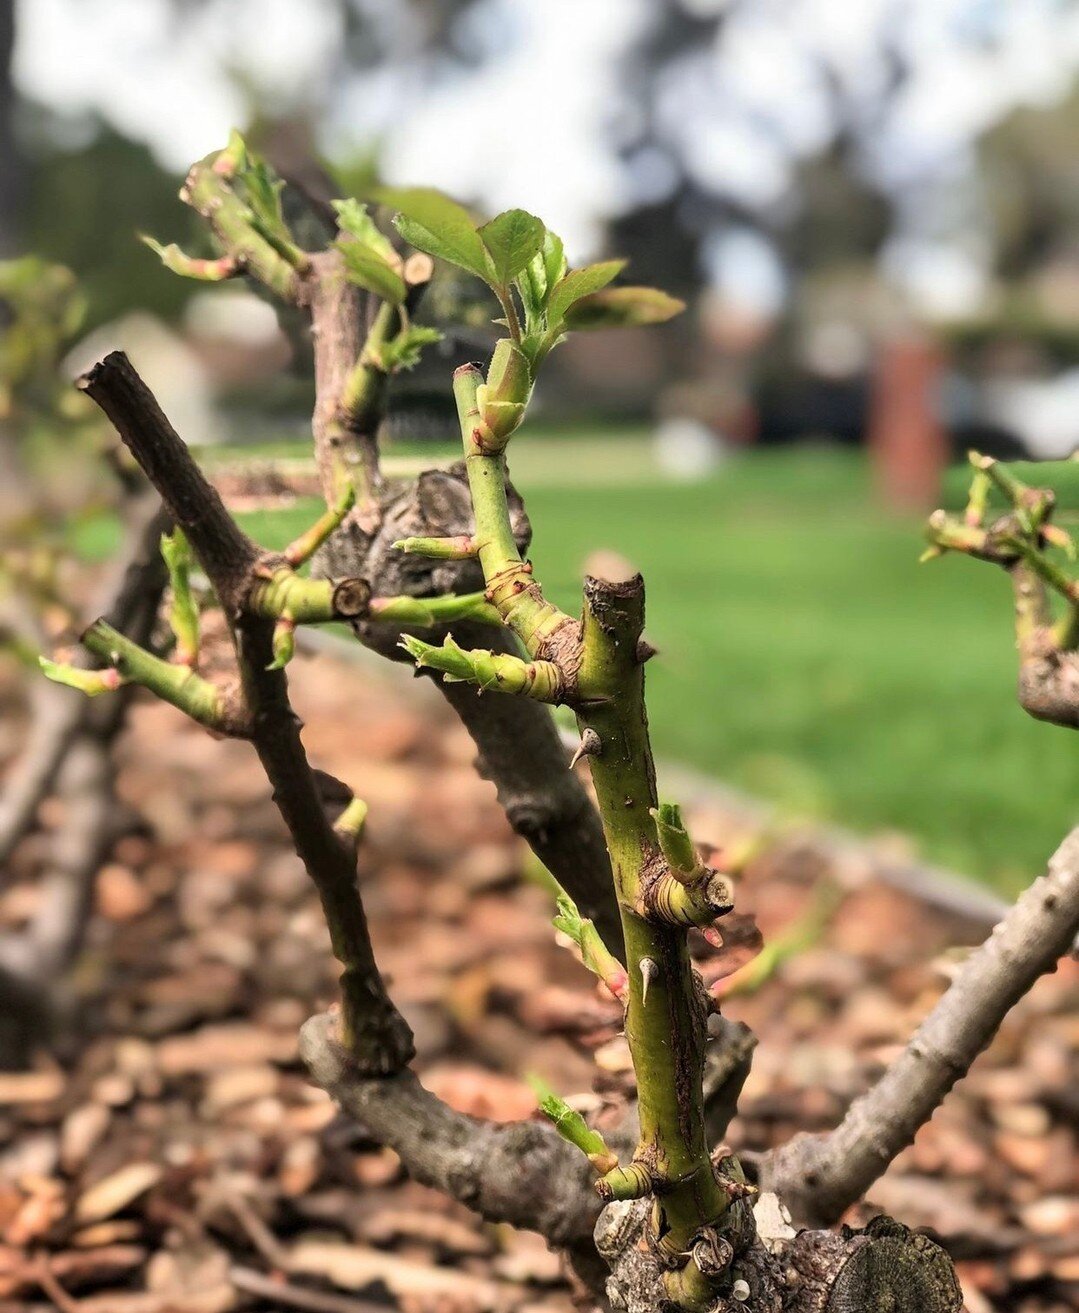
(171,1157)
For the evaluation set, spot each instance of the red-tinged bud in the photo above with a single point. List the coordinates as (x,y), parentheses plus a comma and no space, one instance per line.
(618,983)
(91,682)
(1058,537)
(227,162)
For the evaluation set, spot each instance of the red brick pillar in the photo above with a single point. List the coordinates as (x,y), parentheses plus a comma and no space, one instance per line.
(908,447)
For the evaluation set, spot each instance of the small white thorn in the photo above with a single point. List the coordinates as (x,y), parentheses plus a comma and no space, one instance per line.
(591,745)
(649,972)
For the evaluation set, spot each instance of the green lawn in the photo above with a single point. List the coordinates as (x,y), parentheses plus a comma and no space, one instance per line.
(804,654)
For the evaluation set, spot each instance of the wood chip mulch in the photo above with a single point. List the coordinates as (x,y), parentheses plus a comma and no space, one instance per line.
(172,1158)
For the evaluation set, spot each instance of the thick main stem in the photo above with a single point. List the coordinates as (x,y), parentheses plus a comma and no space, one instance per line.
(603,678)
(347,394)
(665,1024)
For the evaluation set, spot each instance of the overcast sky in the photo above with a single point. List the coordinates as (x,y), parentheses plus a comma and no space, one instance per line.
(532,126)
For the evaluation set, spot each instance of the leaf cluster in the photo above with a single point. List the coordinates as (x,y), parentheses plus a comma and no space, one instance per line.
(524,264)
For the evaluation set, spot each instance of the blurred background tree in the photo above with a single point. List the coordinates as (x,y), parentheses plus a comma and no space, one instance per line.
(904,163)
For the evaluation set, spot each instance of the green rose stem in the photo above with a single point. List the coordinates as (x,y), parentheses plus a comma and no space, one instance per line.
(176,684)
(602,668)
(511,590)
(434,610)
(666,1030)
(362,395)
(301,549)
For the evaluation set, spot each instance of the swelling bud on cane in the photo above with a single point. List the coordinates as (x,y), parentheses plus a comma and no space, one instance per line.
(503,398)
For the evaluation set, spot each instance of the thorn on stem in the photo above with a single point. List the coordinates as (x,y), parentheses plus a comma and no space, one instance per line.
(591,745)
(649,972)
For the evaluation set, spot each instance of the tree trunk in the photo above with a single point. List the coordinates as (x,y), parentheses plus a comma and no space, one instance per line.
(12,169)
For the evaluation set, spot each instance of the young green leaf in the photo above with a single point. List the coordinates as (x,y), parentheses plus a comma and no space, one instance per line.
(370,259)
(184,611)
(594,953)
(535,346)
(430,221)
(678,848)
(554,259)
(623,307)
(352,218)
(404,350)
(256,184)
(367,269)
(512,239)
(534,283)
(531,284)
(263,193)
(572,1126)
(261,189)
(578,283)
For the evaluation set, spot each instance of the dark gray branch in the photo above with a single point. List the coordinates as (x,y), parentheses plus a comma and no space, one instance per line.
(521,752)
(1048,683)
(227,554)
(521,1173)
(818,1176)
(728,1060)
(380,1040)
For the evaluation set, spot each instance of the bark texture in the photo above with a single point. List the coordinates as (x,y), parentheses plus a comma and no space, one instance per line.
(521,1173)
(885,1268)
